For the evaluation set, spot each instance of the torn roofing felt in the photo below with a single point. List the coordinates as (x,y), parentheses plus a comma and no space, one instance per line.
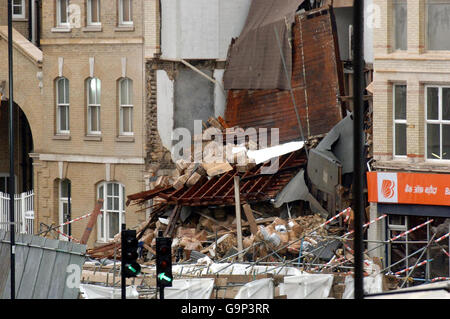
(317,83)
(254,60)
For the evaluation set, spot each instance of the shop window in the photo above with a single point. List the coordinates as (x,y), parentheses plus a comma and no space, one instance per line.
(410,249)
(437,122)
(399,120)
(438,24)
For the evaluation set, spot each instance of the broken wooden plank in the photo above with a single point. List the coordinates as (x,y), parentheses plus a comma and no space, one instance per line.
(250,218)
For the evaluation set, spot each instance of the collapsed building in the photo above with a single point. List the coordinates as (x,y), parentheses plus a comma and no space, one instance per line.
(240,225)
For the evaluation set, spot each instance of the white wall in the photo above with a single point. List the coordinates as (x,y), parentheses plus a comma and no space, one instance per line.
(219,94)
(200,29)
(371,18)
(164,100)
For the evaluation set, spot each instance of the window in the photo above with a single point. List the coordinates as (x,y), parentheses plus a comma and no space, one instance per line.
(400,25)
(126,106)
(399,135)
(125,12)
(405,251)
(113,210)
(93,103)
(18,9)
(93,12)
(438,25)
(62,13)
(438,122)
(64,214)
(4,183)
(62,106)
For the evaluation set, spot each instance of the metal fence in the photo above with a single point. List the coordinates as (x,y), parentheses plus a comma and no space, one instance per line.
(24,212)
(44,268)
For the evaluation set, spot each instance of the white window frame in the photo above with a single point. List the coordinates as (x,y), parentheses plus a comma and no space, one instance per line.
(398,121)
(89,13)
(59,105)
(129,91)
(22,6)
(439,121)
(97,105)
(427,48)
(61,202)
(103,220)
(59,24)
(121,21)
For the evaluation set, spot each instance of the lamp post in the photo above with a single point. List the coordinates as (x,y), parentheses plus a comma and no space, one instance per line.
(358,142)
(11,186)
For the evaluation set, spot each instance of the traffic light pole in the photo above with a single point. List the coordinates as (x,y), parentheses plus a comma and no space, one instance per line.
(161,292)
(122,263)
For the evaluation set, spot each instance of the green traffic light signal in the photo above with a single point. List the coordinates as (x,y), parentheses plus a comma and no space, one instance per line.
(162,276)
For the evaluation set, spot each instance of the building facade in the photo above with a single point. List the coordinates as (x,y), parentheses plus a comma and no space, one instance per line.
(83,95)
(411,148)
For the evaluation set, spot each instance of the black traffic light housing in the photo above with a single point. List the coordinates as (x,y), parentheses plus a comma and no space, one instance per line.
(130,267)
(164,276)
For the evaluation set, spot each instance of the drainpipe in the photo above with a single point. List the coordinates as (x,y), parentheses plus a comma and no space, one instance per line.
(30,20)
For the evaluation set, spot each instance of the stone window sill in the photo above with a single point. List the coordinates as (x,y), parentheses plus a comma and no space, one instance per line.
(61,29)
(124,28)
(92,28)
(62,137)
(19,19)
(93,138)
(125,138)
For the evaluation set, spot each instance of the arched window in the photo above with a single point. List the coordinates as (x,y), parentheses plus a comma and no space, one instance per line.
(126,106)
(62,106)
(93,88)
(113,210)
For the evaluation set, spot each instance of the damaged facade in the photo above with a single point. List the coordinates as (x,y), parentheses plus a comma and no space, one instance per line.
(409,178)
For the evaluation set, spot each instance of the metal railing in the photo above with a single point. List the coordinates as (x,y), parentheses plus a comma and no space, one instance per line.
(23,212)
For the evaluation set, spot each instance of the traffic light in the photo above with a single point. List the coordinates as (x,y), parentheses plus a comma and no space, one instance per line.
(130,267)
(164,276)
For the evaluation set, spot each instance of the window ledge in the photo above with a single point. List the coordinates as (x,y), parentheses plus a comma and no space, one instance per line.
(92,28)
(93,138)
(61,29)
(19,19)
(124,28)
(62,137)
(125,138)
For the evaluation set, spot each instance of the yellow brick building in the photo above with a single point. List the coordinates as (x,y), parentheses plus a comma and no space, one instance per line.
(83,94)
(411,112)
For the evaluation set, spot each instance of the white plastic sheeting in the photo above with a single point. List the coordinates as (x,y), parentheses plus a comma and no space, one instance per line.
(258,289)
(99,292)
(234,269)
(372,285)
(266,154)
(195,288)
(307,286)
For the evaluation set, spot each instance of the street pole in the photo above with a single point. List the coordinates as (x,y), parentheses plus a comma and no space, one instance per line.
(358,142)
(122,254)
(11,186)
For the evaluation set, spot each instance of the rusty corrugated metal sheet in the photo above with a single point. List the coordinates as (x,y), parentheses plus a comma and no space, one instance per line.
(219,190)
(317,82)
